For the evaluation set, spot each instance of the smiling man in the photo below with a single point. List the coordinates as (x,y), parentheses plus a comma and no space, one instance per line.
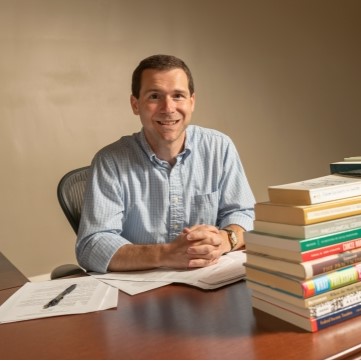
(173,195)
(164,105)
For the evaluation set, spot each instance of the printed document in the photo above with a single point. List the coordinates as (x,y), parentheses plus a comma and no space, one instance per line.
(28,302)
(230,268)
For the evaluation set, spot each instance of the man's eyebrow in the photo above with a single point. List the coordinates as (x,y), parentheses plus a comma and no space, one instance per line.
(152,90)
(158,90)
(184,91)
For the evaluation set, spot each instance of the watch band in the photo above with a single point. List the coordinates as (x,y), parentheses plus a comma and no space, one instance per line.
(232,237)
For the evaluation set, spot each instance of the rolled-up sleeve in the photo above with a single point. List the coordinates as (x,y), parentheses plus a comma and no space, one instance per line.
(236,204)
(100,228)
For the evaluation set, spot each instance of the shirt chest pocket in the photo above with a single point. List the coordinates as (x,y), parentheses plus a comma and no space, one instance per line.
(204,209)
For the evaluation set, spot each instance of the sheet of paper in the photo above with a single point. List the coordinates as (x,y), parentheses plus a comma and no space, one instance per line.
(133,288)
(28,302)
(230,268)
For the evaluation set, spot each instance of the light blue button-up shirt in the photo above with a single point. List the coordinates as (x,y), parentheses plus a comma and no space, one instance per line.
(134,197)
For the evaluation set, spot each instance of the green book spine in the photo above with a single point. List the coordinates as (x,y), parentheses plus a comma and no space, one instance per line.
(329,240)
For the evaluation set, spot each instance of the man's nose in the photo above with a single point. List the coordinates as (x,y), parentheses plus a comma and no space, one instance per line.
(168,105)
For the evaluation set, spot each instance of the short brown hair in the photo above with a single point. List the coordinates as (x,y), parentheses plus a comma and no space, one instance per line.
(159,62)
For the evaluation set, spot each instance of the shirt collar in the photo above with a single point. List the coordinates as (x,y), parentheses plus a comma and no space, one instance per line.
(181,156)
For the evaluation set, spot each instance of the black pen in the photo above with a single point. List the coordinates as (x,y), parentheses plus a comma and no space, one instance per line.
(59,297)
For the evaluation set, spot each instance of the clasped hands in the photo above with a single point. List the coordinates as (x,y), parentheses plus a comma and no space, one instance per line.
(198,246)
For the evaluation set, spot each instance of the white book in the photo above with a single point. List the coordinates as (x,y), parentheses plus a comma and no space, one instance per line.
(317,190)
(309,231)
(352,159)
(319,310)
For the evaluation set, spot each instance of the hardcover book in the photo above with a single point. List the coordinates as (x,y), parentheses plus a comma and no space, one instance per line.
(315,311)
(346,168)
(307,323)
(297,256)
(310,214)
(317,190)
(312,230)
(305,288)
(304,270)
(333,295)
(352,159)
(301,245)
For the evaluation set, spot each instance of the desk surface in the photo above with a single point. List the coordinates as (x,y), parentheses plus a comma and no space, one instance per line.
(175,322)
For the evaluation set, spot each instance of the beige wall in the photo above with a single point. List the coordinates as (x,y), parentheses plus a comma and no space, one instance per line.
(281,77)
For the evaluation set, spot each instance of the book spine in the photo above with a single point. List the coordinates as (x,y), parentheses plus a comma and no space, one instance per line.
(328,240)
(336,304)
(314,216)
(316,311)
(344,167)
(310,231)
(302,245)
(304,256)
(306,215)
(326,189)
(331,281)
(356,158)
(330,250)
(306,302)
(333,263)
(327,195)
(307,323)
(336,317)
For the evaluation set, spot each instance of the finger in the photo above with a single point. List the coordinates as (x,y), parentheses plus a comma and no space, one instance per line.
(209,228)
(193,228)
(204,250)
(200,250)
(202,227)
(200,237)
(200,262)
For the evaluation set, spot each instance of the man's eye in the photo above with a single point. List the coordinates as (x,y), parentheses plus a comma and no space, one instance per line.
(178,96)
(154,96)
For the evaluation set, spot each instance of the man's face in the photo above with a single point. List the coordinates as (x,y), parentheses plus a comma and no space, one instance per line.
(164,106)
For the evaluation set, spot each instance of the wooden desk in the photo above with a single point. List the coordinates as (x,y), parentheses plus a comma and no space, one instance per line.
(10,276)
(176,322)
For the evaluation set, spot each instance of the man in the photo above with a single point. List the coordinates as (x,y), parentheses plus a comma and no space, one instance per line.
(173,195)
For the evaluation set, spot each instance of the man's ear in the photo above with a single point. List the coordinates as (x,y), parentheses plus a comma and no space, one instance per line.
(193,99)
(134,104)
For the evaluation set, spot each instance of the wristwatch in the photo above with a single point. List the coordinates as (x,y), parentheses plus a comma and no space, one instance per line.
(232,237)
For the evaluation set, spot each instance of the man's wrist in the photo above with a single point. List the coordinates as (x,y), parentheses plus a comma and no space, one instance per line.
(228,245)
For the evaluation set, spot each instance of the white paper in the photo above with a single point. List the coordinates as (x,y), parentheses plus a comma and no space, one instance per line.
(133,288)
(28,302)
(229,269)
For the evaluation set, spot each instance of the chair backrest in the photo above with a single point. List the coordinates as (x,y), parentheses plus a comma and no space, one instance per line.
(71,193)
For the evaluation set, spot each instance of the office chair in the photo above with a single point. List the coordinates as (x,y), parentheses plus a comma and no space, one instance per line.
(70,194)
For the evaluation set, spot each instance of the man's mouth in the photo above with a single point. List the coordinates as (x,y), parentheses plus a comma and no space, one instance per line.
(167,122)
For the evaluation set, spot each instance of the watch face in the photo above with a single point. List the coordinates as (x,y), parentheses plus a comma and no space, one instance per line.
(233,238)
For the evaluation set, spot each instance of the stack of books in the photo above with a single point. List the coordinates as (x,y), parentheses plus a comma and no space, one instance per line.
(304,254)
